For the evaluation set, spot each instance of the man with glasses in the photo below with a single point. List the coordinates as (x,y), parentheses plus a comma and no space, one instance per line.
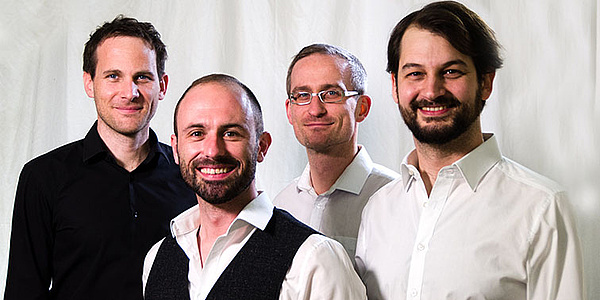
(234,244)
(326,88)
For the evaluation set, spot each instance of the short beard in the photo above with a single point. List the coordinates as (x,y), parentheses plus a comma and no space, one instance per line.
(465,116)
(222,191)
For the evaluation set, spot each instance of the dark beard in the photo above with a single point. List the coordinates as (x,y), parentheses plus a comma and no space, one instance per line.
(465,116)
(222,191)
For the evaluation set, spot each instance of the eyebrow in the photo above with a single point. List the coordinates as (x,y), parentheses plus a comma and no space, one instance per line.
(321,87)
(224,126)
(445,65)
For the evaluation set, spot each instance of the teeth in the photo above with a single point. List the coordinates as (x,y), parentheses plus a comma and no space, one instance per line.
(435,108)
(212,171)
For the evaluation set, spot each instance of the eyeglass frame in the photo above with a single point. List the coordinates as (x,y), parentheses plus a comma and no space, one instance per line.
(319,95)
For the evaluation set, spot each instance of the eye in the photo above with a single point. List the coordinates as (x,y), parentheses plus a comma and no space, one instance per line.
(453,73)
(415,75)
(334,94)
(112,76)
(197,133)
(300,97)
(143,78)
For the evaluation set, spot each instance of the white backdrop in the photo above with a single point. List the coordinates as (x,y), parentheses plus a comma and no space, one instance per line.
(545,107)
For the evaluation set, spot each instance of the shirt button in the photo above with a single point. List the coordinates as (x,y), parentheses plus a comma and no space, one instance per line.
(420,247)
(425,204)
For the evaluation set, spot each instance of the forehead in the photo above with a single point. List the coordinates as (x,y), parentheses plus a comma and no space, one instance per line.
(214,104)
(319,69)
(423,47)
(122,49)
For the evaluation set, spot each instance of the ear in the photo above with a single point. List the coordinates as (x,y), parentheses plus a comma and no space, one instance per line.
(174,148)
(487,84)
(363,106)
(88,84)
(263,145)
(394,88)
(288,110)
(164,81)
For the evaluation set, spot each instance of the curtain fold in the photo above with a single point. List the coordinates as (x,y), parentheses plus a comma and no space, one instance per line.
(545,106)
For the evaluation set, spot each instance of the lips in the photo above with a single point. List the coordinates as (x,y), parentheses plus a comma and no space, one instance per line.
(129,109)
(215,171)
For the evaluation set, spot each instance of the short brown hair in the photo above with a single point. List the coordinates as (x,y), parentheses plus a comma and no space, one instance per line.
(124,26)
(463,29)
(358,75)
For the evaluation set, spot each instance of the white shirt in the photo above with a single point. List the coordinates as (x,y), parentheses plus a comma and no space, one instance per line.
(336,213)
(491,229)
(321,268)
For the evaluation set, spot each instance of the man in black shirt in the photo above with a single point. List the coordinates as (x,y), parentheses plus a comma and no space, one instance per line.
(86,213)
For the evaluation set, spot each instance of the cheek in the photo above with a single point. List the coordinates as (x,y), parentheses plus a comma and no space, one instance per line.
(407,92)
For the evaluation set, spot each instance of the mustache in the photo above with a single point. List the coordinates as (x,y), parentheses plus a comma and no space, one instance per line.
(444,100)
(215,161)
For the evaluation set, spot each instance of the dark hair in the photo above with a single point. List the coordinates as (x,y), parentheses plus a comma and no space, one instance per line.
(229,81)
(124,26)
(358,75)
(463,29)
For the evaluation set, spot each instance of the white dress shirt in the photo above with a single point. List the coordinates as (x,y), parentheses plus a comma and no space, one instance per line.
(336,213)
(490,229)
(321,269)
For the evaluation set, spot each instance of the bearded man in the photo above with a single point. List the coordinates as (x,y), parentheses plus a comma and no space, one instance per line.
(234,244)
(462,221)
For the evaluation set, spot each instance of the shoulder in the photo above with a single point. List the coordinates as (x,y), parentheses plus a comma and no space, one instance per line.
(166,151)
(290,190)
(323,269)
(384,172)
(527,180)
(55,163)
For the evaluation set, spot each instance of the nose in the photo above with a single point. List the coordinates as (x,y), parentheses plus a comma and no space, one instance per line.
(130,90)
(213,146)
(434,87)
(316,108)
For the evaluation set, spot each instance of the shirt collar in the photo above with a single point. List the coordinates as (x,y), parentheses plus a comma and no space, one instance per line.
(472,166)
(94,146)
(351,180)
(256,213)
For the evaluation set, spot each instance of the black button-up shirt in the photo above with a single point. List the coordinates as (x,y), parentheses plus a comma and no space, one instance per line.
(82,224)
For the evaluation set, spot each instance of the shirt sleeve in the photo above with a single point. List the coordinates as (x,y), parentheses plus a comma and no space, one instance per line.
(148,262)
(322,269)
(31,243)
(555,265)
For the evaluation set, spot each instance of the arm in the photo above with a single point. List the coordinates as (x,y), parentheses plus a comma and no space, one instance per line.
(555,268)
(31,243)
(321,269)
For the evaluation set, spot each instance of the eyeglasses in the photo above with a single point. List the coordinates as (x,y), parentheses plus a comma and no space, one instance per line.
(333,95)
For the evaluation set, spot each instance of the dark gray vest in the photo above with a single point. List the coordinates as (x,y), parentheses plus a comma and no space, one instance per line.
(256,272)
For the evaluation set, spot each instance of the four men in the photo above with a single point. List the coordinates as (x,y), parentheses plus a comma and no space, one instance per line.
(462,222)
(87,213)
(326,87)
(234,244)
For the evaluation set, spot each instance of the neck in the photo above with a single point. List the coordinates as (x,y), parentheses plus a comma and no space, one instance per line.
(215,219)
(430,158)
(326,167)
(128,151)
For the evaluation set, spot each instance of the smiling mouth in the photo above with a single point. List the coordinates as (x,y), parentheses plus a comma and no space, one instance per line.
(215,171)
(434,108)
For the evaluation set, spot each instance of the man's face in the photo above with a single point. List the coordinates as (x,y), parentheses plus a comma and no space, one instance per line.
(436,88)
(126,87)
(216,147)
(318,126)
